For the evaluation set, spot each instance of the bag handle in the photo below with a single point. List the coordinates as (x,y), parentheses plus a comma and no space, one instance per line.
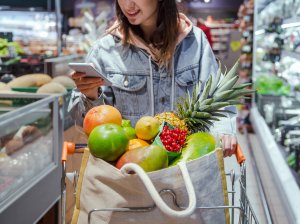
(129,167)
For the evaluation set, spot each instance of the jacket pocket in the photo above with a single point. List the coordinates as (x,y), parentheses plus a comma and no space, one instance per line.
(131,93)
(186,80)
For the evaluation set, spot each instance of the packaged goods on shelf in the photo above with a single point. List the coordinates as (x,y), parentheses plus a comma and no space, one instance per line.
(275,114)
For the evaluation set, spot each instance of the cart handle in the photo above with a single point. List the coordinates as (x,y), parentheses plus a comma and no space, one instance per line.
(71,148)
(239,155)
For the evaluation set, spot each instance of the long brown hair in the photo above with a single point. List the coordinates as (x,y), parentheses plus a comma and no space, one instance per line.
(165,36)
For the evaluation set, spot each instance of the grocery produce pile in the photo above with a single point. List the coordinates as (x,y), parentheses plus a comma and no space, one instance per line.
(39,83)
(5,45)
(167,138)
(273,85)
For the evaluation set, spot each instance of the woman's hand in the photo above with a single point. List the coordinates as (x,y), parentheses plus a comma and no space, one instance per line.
(229,145)
(87,85)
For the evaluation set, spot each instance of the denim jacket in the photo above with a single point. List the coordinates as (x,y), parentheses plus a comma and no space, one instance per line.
(141,87)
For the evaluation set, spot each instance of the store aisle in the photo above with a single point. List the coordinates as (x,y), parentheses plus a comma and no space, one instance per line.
(252,185)
(275,202)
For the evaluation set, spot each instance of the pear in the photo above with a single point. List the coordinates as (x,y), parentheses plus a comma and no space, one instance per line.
(196,146)
(129,130)
(150,158)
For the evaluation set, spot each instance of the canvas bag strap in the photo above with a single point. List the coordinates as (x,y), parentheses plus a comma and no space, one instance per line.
(128,168)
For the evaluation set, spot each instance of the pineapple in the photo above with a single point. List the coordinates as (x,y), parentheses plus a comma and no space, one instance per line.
(172,119)
(197,112)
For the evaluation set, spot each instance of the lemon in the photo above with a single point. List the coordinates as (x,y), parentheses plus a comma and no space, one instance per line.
(147,127)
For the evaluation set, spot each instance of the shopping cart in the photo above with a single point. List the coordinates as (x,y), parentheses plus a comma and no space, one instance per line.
(246,214)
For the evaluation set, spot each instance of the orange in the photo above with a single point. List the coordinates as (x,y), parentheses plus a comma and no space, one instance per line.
(136,143)
(103,114)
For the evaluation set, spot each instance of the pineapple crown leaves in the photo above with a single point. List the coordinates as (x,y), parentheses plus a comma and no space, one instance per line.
(226,88)
(200,109)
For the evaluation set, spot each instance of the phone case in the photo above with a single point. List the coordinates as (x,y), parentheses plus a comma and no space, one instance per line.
(89,70)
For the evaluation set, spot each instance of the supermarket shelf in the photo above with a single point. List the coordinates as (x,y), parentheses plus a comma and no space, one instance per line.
(220,39)
(291,22)
(287,23)
(220,54)
(220,32)
(220,48)
(284,179)
(220,25)
(287,53)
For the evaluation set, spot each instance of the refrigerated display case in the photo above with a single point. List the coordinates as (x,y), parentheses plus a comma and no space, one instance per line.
(34,35)
(30,149)
(35,30)
(276,105)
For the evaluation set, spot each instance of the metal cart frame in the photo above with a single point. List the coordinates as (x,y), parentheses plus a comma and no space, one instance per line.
(246,215)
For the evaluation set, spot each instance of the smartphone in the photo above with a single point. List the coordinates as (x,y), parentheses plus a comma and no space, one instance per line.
(89,70)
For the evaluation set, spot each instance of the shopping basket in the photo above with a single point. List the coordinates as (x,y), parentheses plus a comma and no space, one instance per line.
(245,215)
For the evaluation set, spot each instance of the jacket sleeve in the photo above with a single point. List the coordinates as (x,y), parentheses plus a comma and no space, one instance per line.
(209,65)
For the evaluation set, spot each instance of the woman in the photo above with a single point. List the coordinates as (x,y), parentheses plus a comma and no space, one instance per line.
(152,55)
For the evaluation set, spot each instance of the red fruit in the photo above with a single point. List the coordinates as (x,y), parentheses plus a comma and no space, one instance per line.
(173,139)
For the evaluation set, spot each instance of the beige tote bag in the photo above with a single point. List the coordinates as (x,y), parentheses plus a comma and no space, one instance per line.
(106,194)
